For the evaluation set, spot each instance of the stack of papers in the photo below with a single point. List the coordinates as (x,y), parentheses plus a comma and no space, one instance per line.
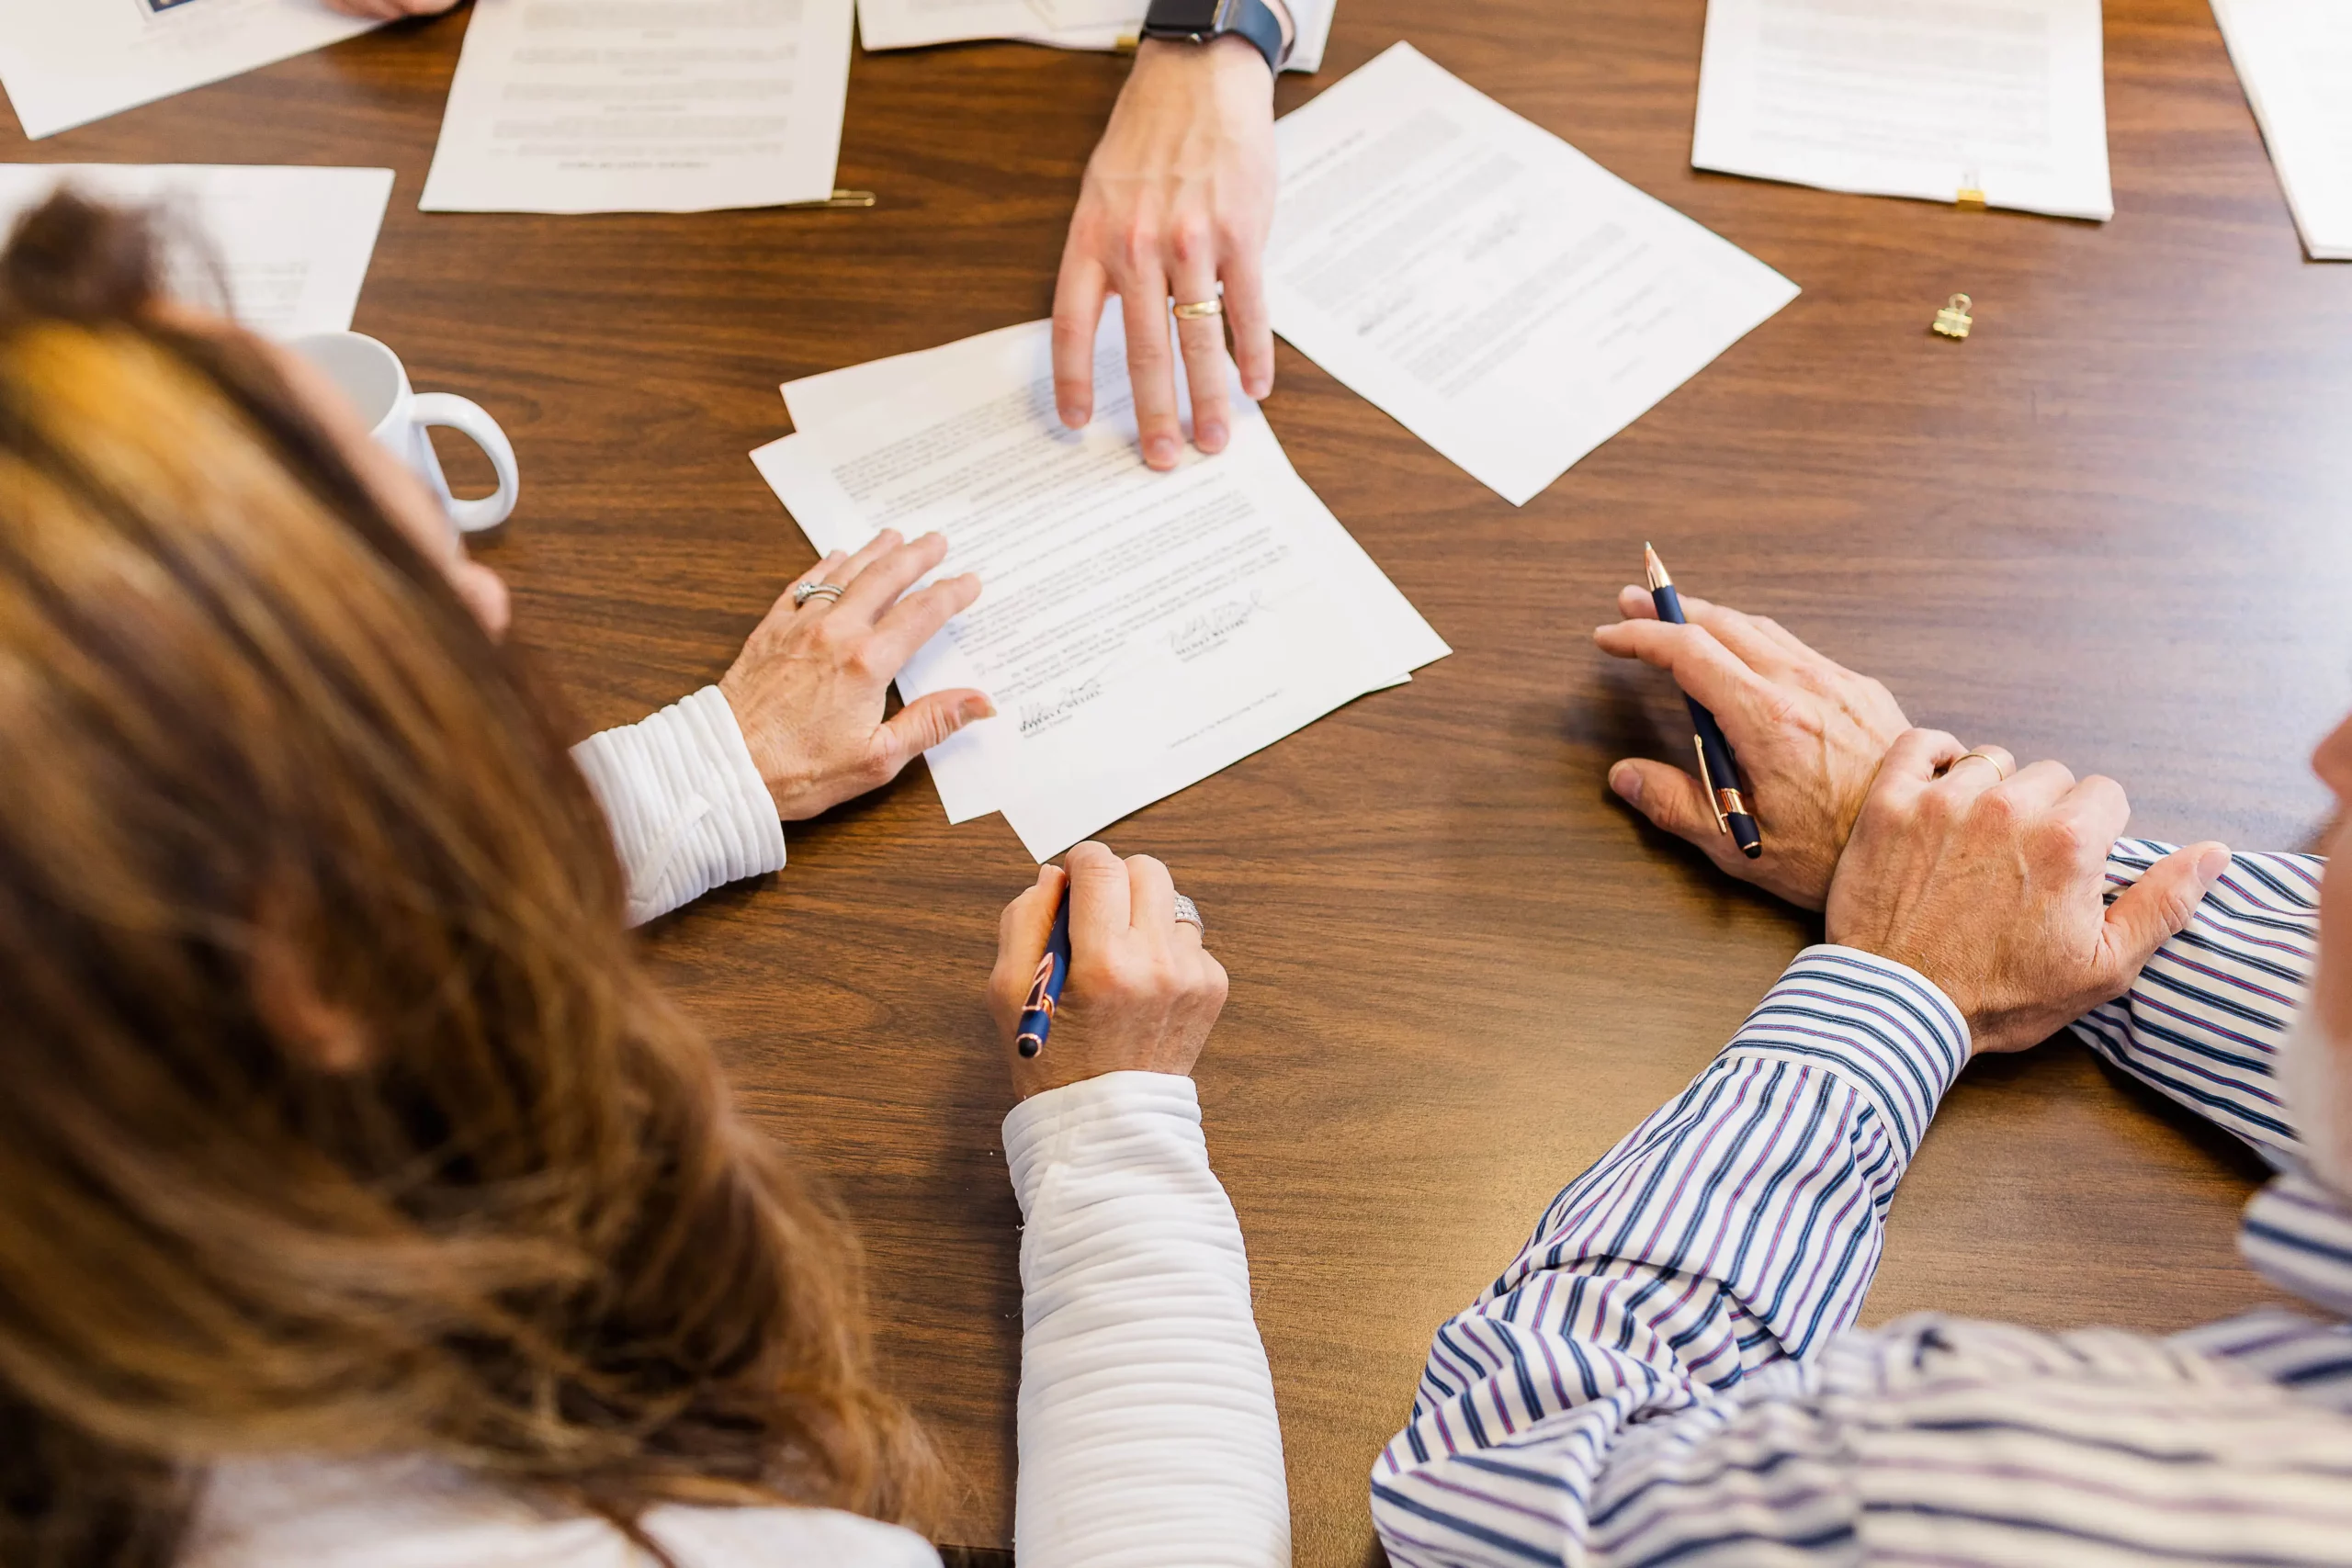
(1137,631)
(2294,58)
(643,105)
(69,61)
(290,246)
(1508,300)
(1922,99)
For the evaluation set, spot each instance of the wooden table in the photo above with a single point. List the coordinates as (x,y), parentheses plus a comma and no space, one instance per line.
(2111,527)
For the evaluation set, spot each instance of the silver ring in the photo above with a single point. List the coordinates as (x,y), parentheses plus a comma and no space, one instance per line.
(828,592)
(1189,914)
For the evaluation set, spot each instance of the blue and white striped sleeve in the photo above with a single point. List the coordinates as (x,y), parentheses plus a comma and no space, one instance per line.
(1737,1227)
(2204,1021)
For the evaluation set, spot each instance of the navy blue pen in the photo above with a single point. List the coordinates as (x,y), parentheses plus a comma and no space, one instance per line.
(1718,769)
(1045,990)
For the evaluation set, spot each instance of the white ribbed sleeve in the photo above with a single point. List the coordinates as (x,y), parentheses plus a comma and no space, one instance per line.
(688,809)
(1148,1437)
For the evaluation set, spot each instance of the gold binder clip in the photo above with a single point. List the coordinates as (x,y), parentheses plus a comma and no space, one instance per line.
(1971,199)
(1953,319)
(1129,42)
(838,198)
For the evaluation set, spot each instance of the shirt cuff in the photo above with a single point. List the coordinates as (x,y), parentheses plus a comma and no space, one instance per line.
(1885,1028)
(2298,1235)
(1088,1121)
(688,809)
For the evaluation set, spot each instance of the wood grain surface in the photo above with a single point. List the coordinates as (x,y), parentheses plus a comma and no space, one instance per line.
(2111,527)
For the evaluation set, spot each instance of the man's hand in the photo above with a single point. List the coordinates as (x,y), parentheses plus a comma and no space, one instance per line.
(391,10)
(1178,196)
(1809,734)
(809,687)
(1993,888)
(1142,994)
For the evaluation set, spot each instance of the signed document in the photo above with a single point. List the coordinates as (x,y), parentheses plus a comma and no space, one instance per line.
(1136,631)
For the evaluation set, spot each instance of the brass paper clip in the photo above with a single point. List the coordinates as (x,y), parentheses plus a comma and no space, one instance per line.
(1954,321)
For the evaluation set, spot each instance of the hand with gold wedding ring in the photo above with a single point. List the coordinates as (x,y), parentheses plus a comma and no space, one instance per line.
(812,683)
(1175,209)
(2003,763)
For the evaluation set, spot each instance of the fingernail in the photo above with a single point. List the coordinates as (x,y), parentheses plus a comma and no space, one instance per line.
(1073,416)
(1261,388)
(1211,437)
(2211,865)
(1627,780)
(1159,451)
(978,709)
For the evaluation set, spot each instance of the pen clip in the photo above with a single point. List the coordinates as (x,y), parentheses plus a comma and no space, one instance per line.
(1707,779)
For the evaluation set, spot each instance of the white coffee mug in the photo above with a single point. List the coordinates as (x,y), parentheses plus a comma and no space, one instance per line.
(399,418)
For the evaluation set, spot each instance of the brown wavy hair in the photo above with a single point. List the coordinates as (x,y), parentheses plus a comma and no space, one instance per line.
(341,1121)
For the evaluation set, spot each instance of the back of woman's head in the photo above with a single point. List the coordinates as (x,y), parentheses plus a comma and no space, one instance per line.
(339,1119)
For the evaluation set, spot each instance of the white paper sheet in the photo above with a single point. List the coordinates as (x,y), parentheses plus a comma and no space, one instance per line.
(2294,58)
(1137,631)
(291,245)
(1911,97)
(66,62)
(1508,299)
(643,106)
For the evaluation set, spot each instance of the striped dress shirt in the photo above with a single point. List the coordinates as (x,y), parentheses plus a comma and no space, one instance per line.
(1667,1372)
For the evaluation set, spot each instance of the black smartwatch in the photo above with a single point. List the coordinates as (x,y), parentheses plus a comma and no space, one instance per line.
(1197,21)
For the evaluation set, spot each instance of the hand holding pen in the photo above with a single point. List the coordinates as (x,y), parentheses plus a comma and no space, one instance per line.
(1805,735)
(1100,969)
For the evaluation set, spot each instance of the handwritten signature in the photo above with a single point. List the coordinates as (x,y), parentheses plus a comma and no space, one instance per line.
(1207,632)
(1038,718)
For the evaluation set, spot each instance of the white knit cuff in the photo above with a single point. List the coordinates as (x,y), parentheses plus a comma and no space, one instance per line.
(688,808)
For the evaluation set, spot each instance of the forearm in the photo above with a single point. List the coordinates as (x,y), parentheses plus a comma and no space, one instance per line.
(1737,1228)
(1147,1430)
(686,805)
(2203,1022)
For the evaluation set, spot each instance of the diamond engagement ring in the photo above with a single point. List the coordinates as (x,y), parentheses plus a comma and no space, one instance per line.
(828,592)
(1189,914)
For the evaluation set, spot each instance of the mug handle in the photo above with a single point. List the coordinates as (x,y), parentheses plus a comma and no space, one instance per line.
(469,417)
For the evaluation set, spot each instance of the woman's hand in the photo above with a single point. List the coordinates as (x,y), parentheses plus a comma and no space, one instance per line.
(1142,995)
(1993,887)
(391,10)
(1809,734)
(1178,196)
(809,687)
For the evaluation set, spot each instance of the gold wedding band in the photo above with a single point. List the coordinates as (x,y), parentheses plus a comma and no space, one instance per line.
(1202,311)
(2000,774)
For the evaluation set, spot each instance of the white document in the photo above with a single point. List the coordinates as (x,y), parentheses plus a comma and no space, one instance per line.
(289,246)
(2295,60)
(643,106)
(67,62)
(1504,297)
(1136,631)
(1922,99)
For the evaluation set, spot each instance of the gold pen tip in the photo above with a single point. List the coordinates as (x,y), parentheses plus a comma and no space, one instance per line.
(1654,568)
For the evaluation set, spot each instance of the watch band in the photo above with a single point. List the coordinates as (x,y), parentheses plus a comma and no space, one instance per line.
(1251,19)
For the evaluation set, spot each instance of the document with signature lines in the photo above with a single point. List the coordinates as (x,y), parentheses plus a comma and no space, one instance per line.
(1137,632)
